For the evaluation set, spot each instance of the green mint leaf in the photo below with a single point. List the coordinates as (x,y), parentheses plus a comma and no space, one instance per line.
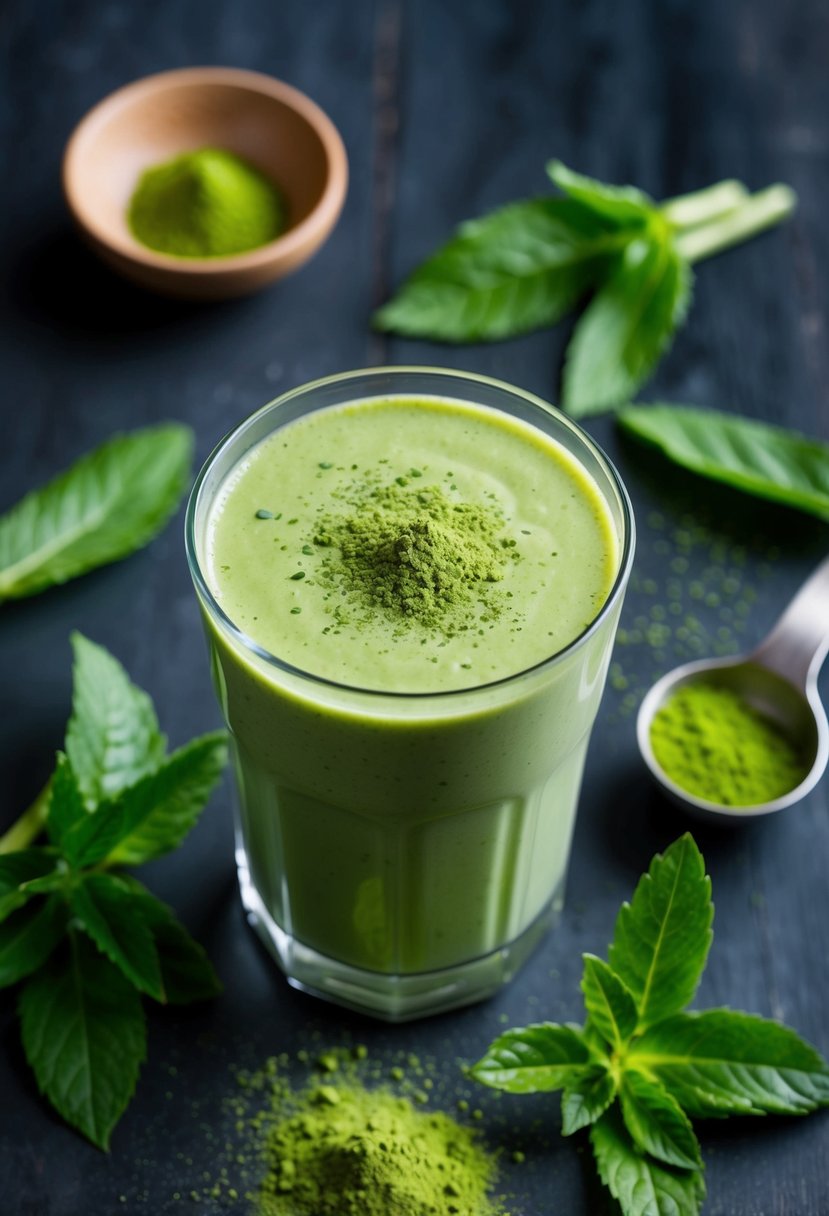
(626,326)
(108,504)
(57,880)
(642,1186)
(662,937)
(585,1100)
(165,805)
(186,972)
(113,737)
(533,1059)
(622,205)
(657,1123)
(84,1037)
(611,1007)
(153,816)
(28,937)
(521,267)
(594,1039)
(721,1062)
(767,461)
(16,871)
(92,838)
(109,914)
(66,807)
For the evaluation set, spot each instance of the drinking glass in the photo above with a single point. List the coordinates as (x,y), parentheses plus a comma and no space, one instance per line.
(402,853)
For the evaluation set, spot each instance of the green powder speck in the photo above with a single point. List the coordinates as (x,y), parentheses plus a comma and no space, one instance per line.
(372,1153)
(328,1062)
(715,746)
(205,204)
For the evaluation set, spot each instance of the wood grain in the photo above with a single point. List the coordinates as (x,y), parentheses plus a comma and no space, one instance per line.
(446,111)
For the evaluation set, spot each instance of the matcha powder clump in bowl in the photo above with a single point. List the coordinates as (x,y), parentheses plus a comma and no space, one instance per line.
(205,204)
(349,1151)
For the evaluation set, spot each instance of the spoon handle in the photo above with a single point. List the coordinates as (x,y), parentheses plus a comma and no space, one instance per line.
(799,642)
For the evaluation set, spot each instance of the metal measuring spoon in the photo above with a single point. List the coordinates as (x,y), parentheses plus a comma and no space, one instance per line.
(778,679)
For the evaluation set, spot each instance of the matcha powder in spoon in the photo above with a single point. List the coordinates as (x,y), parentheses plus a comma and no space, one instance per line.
(205,204)
(717,747)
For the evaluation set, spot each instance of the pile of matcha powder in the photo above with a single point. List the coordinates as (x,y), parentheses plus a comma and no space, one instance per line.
(350,1151)
(416,554)
(204,204)
(354,1138)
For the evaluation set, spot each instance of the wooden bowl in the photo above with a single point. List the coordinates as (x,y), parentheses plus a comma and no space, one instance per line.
(273,126)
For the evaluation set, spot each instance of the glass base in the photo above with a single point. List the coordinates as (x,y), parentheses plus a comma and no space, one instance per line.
(392,998)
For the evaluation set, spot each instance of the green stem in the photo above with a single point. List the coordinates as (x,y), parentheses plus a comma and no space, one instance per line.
(690,210)
(30,824)
(758,212)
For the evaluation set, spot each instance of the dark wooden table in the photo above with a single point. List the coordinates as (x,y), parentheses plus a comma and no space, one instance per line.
(446,110)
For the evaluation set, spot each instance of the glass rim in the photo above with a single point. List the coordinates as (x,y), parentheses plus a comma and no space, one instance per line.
(252,647)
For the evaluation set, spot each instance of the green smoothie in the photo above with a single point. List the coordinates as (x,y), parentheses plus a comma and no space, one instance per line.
(554,553)
(393,576)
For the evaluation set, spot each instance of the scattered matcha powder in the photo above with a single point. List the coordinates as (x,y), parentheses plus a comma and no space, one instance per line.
(697,602)
(327,1109)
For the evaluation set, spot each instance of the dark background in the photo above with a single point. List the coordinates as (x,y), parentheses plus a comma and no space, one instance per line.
(446,110)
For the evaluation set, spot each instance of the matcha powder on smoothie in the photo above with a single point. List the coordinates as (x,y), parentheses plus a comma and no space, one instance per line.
(419,556)
(348,1151)
(410,545)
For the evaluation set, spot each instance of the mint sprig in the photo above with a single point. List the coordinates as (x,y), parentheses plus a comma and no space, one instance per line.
(85,939)
(530,263)
(640,1068)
